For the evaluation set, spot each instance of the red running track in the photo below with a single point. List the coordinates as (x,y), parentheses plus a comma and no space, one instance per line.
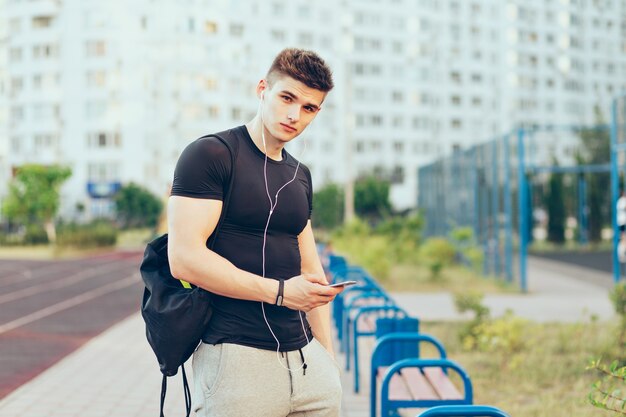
(48,309)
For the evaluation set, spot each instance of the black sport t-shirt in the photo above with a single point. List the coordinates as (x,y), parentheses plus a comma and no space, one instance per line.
(203,171)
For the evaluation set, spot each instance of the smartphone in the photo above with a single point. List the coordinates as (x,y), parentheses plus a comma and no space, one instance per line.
(343,284)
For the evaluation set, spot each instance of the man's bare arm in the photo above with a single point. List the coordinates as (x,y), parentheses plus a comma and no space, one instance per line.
(319,318)
(190,223)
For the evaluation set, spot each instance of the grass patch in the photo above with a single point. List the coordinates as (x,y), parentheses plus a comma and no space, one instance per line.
(546,378)
(47,252)
(418,278)
(134,239)
(544,246)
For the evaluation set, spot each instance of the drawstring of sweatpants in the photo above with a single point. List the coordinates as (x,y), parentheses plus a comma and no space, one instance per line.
(303,362)
(304,366)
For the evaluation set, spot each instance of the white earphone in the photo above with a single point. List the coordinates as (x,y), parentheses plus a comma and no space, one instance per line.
(273,205)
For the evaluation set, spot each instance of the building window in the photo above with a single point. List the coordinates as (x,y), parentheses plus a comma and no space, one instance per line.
(95,48)
(15,54)
(306,39)
(17,113)
(210,27)
(104,140)
(214,112)
(397,175)
(456,77)
(455,123)
(16,143)
(278,35)
(15,25)
(96,78)
(46,140)
(477,78)
(236,30)
(376,120)
(45,51)
(103,171)
(42,21)
(455,100)
(17,85)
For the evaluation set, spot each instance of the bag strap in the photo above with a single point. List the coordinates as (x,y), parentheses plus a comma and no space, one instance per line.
(186,391)
(233,148)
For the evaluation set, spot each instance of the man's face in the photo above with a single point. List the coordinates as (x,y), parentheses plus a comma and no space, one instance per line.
(288,107)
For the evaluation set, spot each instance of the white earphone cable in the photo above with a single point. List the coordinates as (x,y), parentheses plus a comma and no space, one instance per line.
(273,205)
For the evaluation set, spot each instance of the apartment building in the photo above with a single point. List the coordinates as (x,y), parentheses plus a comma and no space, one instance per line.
(116,89)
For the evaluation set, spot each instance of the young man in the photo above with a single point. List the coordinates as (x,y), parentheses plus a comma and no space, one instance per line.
(267,351)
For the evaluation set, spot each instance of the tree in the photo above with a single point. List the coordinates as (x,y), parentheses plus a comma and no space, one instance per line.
(328,207)
(33,196)
(556,209)
(137,207)
(596,149)
(371,198)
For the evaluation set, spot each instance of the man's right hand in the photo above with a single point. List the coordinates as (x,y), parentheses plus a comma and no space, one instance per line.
(308,291)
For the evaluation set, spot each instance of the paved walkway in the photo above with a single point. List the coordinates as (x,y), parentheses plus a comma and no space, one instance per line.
(116,374)
(557,292)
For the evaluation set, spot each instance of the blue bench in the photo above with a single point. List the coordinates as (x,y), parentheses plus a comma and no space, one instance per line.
(464,411)
(352,302)
(414,382)
(379,321)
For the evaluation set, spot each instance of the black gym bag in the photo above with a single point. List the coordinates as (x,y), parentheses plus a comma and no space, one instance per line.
(176,313)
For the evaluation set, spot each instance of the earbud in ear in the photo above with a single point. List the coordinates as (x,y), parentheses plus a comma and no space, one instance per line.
(262,95)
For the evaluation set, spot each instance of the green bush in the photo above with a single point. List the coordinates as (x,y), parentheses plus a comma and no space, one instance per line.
(471,301)
(463,240)
(35,235)
(96,234)
(437,253)
(503,335)
(372,252)
(475,256)
(618,297)
(607,393)
(462,236)
(404,235)
(137,207)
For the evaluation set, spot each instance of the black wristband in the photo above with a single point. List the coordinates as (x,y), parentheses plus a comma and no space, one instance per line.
(279,296)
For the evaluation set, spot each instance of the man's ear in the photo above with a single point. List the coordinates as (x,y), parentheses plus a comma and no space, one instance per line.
(261,87)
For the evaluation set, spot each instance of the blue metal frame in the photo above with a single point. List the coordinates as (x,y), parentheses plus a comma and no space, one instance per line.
(373,295)
(582,210)
(484,173)
(464,411)
(495,202)
(522,190)
(508,212)
(397,312)
(394,337)
(387,405)
(616,148)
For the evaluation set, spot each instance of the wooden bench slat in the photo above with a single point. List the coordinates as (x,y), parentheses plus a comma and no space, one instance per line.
(442,384)
(367,324)
(418,385)
(397,387)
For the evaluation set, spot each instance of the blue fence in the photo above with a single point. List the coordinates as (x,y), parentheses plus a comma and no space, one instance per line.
(494,188)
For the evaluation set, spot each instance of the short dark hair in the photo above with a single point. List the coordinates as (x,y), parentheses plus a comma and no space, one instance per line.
(304,66)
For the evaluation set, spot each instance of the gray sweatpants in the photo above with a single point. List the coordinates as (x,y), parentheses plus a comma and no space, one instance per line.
(239,381)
